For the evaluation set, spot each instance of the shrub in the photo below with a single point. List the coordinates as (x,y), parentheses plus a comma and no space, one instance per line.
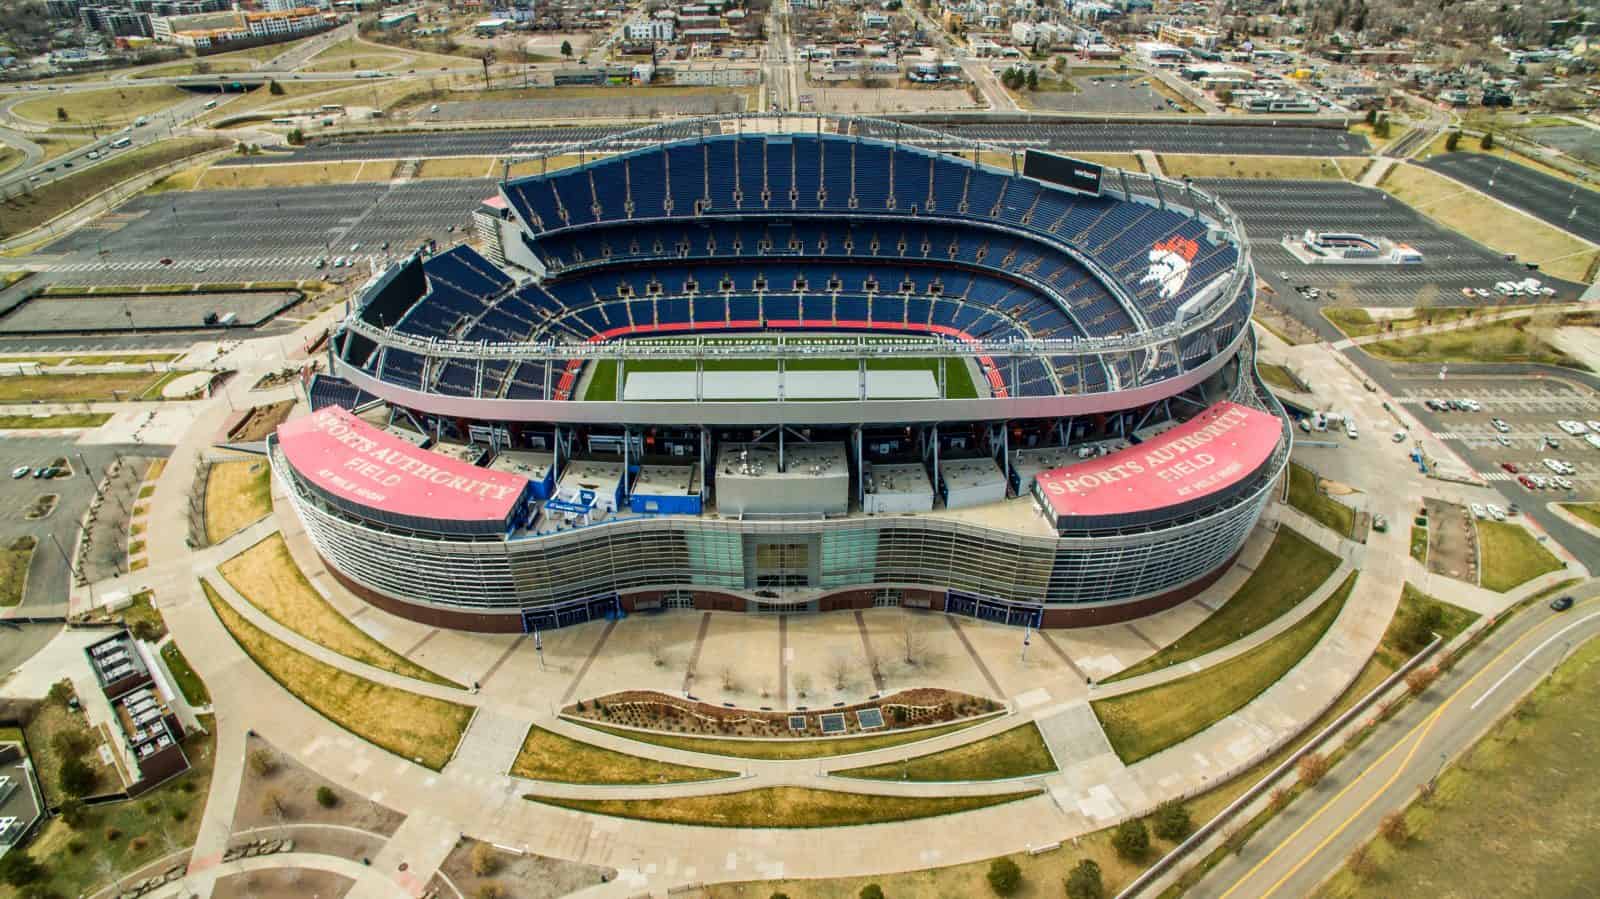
(77,778)
(1004,876)
(138,844)
(113,834)
(1313,768)
(178,814)
(1084,882)
(871,891)
(19,869)
(1488,140)
(779,895)
(73,813)
(76,846)
(1131,840)
(274,88)
(60,692)
(326,797)
(1395,829)
(484,860)
(1419,680)
(1418,629)
(1451,141)
(491,891)
(1172,821)
(262,763)
(1360,863)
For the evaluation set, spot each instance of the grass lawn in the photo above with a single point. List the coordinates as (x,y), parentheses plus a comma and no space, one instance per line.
(420,728)
(1511,556)
(97,359)
(782,749)
(111,106)
(1178,165)
(958,377)
(1276,376)
(245,177)
(546,755)
(238,494)
(1018,752)
(1588,512)
(1356,321)
(27,211)
(1143,723)
(1291,570)
(266,575)
(1516,815)
(1501,341)
(221,64)
(14,561)
(1490,222)
(1393,650)
(1419,544)
(460,167)
(194,689)
(59,145)
(353,63)
(157,823)
(783,807)
(143,615)
(1304,495)
(56,733)
(10,158)
(77,388)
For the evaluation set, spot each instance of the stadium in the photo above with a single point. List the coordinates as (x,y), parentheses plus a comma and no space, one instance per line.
(815,363)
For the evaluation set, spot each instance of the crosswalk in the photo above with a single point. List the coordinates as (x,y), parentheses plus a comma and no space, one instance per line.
(144,265)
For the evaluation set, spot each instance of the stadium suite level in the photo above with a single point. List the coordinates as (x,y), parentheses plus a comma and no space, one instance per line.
(1117,453)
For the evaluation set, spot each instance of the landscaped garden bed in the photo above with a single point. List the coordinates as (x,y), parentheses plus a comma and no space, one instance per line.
(654,711)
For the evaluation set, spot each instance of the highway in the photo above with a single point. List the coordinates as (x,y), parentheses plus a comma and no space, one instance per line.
(1309,841)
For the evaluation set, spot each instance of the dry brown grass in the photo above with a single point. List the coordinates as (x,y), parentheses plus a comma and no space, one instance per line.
(547,755)
(238,494)
(266,575)
(420,728)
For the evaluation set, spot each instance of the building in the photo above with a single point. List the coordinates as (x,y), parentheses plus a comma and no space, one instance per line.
(492,27)
(1196,37)
(649,30)
(116,21)
(392,20)
(1028,469)
(140,698)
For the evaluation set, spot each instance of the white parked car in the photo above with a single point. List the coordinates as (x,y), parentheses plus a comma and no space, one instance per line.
(1575,428)
(1500,425)
(1551,464)
(1350,430)
(1502,439)
(1471,405)
(1593,425)
(21,471)
(1497,513)
(1563,483)
(1479,512)
(1593,440)
(1539,481)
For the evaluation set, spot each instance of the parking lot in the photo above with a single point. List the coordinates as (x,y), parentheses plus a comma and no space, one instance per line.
(626,104)
(1561,203)
(44,315)
(1272,209)
(1530,407)
(1168,137)
(1104,93)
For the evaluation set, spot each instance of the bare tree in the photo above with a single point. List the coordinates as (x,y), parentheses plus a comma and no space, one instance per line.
(839,667)
(802,684)
(730,682)
(913,643)
(658,652)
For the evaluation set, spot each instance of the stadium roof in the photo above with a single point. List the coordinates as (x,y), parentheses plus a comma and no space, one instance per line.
(367,466)
(1207,454)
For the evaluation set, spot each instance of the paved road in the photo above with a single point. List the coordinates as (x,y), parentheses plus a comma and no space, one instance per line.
(1564,204)
(1296,850)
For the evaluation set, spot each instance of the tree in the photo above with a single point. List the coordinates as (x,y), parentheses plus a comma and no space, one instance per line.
(1313,768)
(1033,79)
(839,670)
(326,797)
(1084,882)
(1004,876)
(1418,629)
(484,860)
(566,49)
(1360,863)
(77,778)
(1419,680)
(20,869)
(912,643)
(802,684)
(274,88)
(1395,829)
(1451,141)
(1372,116)
(1172,821)
(296,137)
(61,113)
(73,813)
(871,891)
(1488,141)
(1131,840)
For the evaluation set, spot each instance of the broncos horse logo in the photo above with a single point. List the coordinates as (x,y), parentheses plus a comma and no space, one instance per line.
(1170,260)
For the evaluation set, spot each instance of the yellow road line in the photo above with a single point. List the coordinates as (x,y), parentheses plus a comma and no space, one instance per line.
(1426,726)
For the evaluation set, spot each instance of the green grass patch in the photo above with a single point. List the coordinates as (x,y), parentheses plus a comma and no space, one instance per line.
(1515,816)
(420,728)
(143,618)
(14,562)
(1356,321)
(775,750)
(107,386)
(1419,544)
(1587,512)
(1511,556)
(1277,376)
(1018,752)
(113,106)
(1291,570)
(193,688)
(546,755)
(1415,619)
(1143,723)
(1305,496)
(783,807)
(268,578)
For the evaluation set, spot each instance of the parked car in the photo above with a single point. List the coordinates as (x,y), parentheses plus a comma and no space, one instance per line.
(1510,466)
(21,471)
(1479,512)
(1500,425)
(1526,481)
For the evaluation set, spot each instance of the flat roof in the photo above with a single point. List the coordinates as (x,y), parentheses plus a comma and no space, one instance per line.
(470,453)
(667,480)
(801,460)
(368,466)
(530,464)
(898,479)
(960,474)
(1211,452)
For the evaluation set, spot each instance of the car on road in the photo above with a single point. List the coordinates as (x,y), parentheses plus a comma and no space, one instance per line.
(1350,430)
(1509,466)
(1561,603)
(166,260)
(1399,437)
(21,471)
(1526,481)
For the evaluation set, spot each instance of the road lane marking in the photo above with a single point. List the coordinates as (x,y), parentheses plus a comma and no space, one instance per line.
(1531,653)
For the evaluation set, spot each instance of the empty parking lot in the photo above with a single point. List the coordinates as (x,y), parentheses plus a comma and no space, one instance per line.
(1564,204)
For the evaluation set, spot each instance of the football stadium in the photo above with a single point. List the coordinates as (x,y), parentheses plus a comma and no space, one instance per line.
(815,363)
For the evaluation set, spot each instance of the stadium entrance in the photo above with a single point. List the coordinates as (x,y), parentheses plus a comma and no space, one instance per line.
(999,611)
(577,611)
